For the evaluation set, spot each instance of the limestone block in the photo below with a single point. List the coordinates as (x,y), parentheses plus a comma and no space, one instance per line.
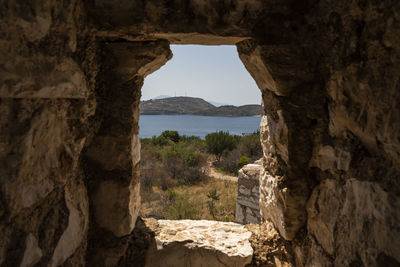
(138,59)
(274,139)
(78,221)
(198,243)
(328,158)
(30,67)
(135,149)
(255,189)
(251,217)
(116,206)
(44,150)
(239,216)
(32,253)
(110,152)
(247,202)
(244,191)
(357,218)
(272,202)
(251,58)
(282,203)
(64,79)
(321,222)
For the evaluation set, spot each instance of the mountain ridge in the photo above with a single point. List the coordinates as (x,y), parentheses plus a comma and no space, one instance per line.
(195,106)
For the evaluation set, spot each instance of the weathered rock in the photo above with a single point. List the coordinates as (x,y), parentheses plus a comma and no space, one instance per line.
(198,243)
(70,78)
(116,207)
(340,214)
(270,249)
(247,202)
(41,152)
(327,158)
(78,221)
(274,136)
(113,156)
(279,200)
(32,252)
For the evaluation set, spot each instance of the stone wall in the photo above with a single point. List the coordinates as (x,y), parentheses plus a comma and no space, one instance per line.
(70,79)
(248,194)
(46,83)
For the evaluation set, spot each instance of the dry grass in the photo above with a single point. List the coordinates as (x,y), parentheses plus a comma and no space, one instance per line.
(191,201)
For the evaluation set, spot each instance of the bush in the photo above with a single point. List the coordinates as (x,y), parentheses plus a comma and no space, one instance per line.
(242,161)
(192,176)
(181,208)
(171,195)
(155,176)
(250,146)
(219,142)
(171,135)
(161,141)
(230,162)
(183,162)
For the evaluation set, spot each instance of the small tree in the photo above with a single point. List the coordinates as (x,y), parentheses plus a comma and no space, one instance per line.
(219,142)
(242,161)
(212,195)
(171,135)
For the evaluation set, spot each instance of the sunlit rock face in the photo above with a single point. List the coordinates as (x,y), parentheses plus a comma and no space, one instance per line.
(248,194)
(70,79)
(195,243)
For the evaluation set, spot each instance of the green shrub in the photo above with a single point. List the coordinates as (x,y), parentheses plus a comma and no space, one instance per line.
(171,195)
(212,194)
(181,208)
(183,162)
(192,175)
(242,161)
(219,142)
(171,135)
(250,145)
(161,141)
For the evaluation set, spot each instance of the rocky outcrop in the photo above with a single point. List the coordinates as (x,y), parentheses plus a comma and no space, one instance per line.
(270,249)
(198,243)
(70,79)
(248,195)
(111,160)
(333,229)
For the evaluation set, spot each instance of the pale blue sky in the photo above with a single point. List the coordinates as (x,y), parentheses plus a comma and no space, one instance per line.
(214,73)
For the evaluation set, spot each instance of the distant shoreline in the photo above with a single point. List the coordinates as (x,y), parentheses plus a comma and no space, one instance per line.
(196,125)
(196,106)
(143,114)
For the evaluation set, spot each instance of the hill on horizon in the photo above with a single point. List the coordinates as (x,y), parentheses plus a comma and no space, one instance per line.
(195,106)
(215,103)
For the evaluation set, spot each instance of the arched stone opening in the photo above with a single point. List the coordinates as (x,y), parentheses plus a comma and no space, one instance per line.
(330,132)
(111,160)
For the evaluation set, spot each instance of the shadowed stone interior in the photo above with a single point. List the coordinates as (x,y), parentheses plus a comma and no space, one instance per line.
(70,79)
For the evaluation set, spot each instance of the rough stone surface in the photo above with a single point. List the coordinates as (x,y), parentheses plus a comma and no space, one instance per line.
(279,202)
(370,207)
(32,252)
(70,79)
(199,243)
(78,221)
(111,161)
(270,249)
(116,207)
(248,196)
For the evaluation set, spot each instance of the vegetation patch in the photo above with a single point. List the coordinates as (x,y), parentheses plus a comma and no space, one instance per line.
(174,174)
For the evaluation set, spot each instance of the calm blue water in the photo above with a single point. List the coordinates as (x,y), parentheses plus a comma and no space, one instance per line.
(151,125)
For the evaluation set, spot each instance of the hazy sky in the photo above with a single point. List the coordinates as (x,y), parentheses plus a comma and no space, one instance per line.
(214,73)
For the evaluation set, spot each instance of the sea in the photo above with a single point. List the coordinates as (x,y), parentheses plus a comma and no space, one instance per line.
(189,125)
